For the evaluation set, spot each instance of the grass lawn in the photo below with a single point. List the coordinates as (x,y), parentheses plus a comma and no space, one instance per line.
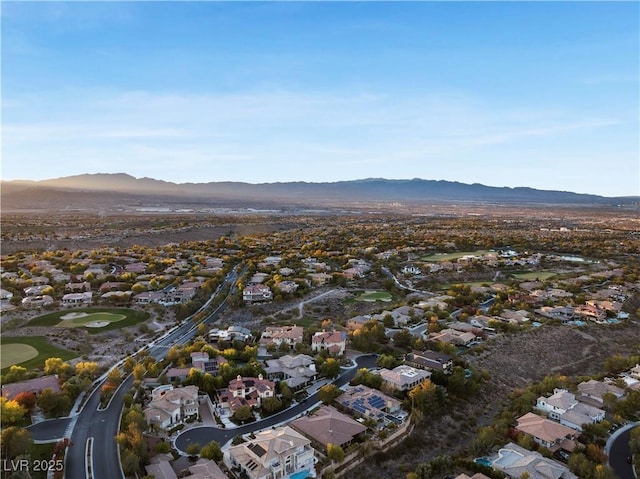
(444,287)
(451,256)
(305,322)
(89,320)
(42,346)
(115,317)
(533,275)
(371,296)
(11,354)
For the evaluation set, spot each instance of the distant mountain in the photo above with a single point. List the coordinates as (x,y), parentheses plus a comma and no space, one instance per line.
(108,190)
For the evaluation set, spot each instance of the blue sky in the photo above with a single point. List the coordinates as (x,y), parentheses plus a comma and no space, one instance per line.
(539,94)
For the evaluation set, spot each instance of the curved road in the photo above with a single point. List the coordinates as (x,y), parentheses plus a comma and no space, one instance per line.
(618,450)
(204,434)
(102,425)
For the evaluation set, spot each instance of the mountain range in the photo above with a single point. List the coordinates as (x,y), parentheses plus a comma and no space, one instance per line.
(89,191)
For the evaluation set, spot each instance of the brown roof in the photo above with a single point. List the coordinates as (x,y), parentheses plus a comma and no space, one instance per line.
(544,429)
(32,386)
(328,425)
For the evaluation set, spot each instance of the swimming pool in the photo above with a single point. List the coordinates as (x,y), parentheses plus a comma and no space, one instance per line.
(300,474)
(483,461)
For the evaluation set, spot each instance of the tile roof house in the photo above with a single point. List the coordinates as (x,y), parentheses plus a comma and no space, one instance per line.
(34,302)
(160,468)
(277,335)
(333,341)
(592,392)
(328,426)
(246,391)
(256,292)
(565,408)
(295,370)
(453,336)
(77,298)
(431,360)
(367,402)
(278,453)
(202,362)
(35,385)
(477,475)
(171,406)
(514,461)
(547,433)
(403,377)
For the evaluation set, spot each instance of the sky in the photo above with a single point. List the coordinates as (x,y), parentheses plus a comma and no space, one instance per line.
(537,94)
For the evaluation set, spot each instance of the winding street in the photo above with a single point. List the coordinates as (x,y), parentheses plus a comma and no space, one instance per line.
(205,434)
(618,451)
(92,430)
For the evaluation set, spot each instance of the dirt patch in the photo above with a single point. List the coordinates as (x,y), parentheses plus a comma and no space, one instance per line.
(513,361)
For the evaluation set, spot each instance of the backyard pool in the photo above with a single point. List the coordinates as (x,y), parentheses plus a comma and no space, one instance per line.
(301,475)
(483,461)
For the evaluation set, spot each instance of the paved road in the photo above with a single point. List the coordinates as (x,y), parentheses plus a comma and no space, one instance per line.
(102,425)
(619,450)
(205,434)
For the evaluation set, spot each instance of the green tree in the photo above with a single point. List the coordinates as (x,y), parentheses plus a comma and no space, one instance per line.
(243,413)
(328,393)
(212,451)
(14,441)
(335,452)
(193,449)
(330,368)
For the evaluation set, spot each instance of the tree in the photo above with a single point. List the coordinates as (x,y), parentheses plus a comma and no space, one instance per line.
(212,451)
(193,449)
(139,372)
(53,404)
(330,368)
(163,447)
(335,452)
(11,412)
(14,441)
(388,362)
(115,376)
(424,396)
(130,462)
(88,368)
(15,374)
(285,391)
(403,339)
(328,393)
(26,399)
(243,413)
(271,405)
(59,367)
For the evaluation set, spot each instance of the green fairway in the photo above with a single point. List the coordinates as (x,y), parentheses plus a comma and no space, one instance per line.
(40,344)
(435,258)
(534,275)
(11,354)
(95,320)
(371,296)
(90,320)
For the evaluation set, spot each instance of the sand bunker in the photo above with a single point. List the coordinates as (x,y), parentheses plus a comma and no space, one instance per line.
(74,315)
(97,324)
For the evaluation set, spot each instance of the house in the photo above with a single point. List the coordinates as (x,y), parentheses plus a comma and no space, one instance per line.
(635,372)
(78,287)
(160,468)
(403,377)
(246,391)
(547,433)
(401,315)
(280,453)
(77,298)
(320,279)
(453,336)
(477,475)
(593,392)
(297,370)
(202,362)
(333,341)
(591,312)
(287,286)
(430,360)
(277,335)
(35,290)
(367,402)
(34,302)
(170,406)
(563,313)
(35,386)
(563,406)
(328,426)
(5,295)
(357,322)
(514,461)
(256,292)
